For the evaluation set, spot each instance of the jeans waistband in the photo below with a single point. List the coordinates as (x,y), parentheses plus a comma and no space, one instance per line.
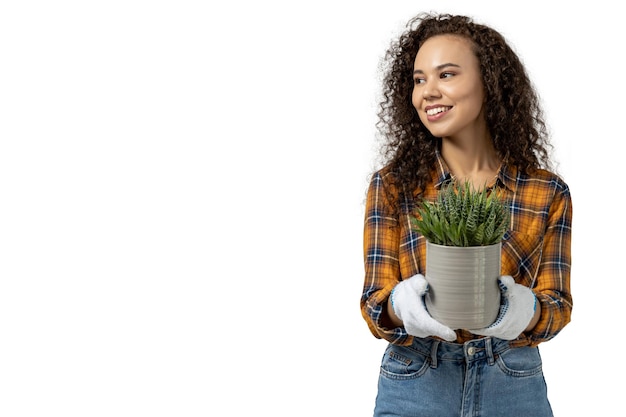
(487,348)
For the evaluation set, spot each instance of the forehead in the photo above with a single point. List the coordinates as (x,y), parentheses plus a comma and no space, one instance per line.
(442,49)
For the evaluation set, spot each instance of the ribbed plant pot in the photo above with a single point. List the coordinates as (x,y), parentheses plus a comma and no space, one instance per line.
(463,284)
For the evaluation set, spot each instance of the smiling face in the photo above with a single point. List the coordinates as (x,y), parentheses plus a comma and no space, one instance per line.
(448,90)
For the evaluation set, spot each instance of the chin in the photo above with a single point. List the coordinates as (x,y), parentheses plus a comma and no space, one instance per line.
(438,133)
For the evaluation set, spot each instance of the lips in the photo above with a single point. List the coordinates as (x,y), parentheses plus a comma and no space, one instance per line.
(432,111)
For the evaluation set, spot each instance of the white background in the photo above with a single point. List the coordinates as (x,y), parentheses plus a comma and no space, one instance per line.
(181,201)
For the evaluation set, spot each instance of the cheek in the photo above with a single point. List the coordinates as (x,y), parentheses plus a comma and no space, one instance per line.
(475,96)
(473,101)
(416,100)
(478,105)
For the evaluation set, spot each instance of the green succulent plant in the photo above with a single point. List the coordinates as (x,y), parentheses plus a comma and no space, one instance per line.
(463,216)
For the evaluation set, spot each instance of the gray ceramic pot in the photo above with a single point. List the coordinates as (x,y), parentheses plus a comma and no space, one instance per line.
(463,281)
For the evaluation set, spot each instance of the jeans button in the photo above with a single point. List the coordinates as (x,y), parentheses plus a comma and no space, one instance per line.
(471,350)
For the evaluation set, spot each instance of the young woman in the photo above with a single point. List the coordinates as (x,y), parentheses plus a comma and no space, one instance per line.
(459,106)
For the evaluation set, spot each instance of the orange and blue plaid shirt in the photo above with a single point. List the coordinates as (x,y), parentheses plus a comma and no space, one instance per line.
(535,249)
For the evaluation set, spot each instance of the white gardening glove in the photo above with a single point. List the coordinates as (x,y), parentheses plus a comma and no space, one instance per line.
(407,300)
(517,308)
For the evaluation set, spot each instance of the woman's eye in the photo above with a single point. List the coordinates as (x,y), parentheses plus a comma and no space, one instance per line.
(447,74)
(419,81)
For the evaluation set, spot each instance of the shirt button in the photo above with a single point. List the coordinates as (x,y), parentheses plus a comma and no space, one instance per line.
(471,350)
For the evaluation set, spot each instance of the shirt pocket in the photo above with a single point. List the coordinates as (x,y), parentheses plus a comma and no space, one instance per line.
(521,256)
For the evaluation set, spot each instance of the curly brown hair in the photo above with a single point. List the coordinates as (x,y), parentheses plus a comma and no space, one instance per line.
(512,106)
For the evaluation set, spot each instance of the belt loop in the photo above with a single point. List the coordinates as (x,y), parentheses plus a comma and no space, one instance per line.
(489,351)
(433,353)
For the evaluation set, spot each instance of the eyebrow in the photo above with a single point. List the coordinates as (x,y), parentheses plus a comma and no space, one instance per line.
(438,67)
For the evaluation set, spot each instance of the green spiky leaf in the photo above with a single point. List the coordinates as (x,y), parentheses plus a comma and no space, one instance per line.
(463,216)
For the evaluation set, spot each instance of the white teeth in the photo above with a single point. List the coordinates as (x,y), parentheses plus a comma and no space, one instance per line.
(432,112)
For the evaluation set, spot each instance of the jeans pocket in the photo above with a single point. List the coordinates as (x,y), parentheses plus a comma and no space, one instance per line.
(520,362)
(401,362)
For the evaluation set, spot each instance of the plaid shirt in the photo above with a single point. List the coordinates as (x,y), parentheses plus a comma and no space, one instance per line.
(535,249)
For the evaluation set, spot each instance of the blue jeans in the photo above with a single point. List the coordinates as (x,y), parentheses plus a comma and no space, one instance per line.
(483,377)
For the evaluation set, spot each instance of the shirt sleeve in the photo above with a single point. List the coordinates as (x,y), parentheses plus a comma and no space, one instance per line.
(381,240)
(552,287)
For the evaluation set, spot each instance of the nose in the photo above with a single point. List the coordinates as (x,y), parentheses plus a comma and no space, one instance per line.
(430,91)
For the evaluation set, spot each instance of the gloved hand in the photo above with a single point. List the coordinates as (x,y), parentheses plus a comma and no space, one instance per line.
(407,300)
(517,308)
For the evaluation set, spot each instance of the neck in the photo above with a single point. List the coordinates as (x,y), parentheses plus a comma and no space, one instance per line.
(476,162)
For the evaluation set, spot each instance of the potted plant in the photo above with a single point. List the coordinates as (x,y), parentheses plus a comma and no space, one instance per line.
(463,228)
